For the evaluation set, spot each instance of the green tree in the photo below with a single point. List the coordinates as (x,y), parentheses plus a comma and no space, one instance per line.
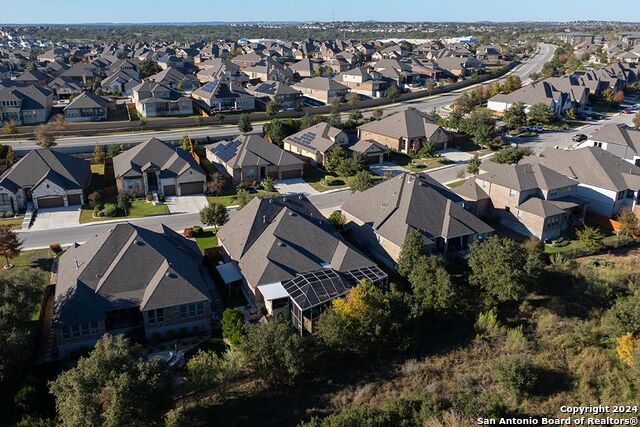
(335,119)
(272,108)
(454,120)
(185,143)
(113,386)
(148,68)
(206,370)
(629,223)
(112,151)
(233,325)
(244,123)
(498,267)
(511,156)
(431,285)
(98,154)
(333,160)
(412,249)
(474,165)
(20,297)
(242,198)
(275,131)
(10,245)
(124,201)
(517,374)
(348,167)
(361,181)
(591,237)
(267,185)
(511,83)
(480,125)
(215,215)
(623,317)
(307,121)
(540,114)
(515,116)
(428,149)
(274,353)
(393,92)
(44,137)
(10,128)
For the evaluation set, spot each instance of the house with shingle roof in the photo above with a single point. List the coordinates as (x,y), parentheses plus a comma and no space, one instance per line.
(88,107)
(380,218)
(25,105)
(156,100)
(130,279)
(316,142)
(532,200)
(47,178)
(158,167)
(322,89)
(405,131)
(223,95)
(535,93)
(618,139)
(286,96)
(251,158)
(291,260)
(606,182)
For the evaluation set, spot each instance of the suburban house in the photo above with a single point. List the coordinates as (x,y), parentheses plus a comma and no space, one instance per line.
(316,142)
(359,81)
(158,167)
(322,89)
(532,200)
(304,68)
(46,178)
(618,139)
(25,105)
(606,183)
(121,81)
(460,66)
(286,96)
(65,87)
(380,218)
(269,70)
(133,281)
(372,151)
(221,95)
(535,93)
(176,80)
(290,259)
(578,94)
(155,100)
(88,107)
(251,158)
(405,131)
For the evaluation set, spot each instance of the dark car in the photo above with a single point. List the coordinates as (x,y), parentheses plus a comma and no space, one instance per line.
(579,137)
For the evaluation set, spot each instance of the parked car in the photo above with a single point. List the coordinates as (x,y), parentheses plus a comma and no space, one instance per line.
(535,128)
(579,137)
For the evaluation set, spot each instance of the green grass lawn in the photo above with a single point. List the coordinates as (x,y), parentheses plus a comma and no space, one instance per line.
(573,245)
(13,223)
(228,197)
(207,240)
(314,177)
(40,259)
(455,184)
(140,208)
(418,165)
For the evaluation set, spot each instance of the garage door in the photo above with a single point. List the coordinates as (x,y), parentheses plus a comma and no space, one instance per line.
(50,202)
(290,174)
(74,199)
(191,188)
(169,190)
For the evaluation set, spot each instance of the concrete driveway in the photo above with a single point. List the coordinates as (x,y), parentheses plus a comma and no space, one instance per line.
(294,186)
(186,204)
(54,218)
(456,155)
(382,168)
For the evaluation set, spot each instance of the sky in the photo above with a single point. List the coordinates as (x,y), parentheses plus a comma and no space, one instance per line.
(136,11)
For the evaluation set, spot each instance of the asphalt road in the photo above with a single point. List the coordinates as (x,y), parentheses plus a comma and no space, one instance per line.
(433,103)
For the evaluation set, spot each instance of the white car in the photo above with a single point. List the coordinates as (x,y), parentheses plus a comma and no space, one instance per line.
(535,128)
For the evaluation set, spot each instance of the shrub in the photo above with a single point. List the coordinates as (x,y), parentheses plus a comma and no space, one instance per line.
(188,232)
(110,210)
(337,219)
(161,198)
(100,214)
(516,374)
(233,325)
(55,248)
(197,230)
(149,197)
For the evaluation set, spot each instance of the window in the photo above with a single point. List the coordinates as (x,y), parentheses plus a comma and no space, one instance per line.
(512,192)
(191,310)
(155,316)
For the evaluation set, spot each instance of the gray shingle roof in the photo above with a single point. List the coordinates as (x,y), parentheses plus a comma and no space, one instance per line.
(252,150)
(409,123)
(525,177)
(172,161)
(320,137)
(618,134)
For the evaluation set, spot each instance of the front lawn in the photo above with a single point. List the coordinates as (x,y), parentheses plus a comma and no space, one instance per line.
(418,165)
(13,223)
(229,196)
(40,259)
(455,184)
(322,180)
(140,208)
(207,240)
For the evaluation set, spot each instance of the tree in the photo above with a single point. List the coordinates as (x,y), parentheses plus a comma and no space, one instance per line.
(636,120)
(216,183)
(623,317)
(274,353)
(20,296)
(352,99)
(267,185)
(44,137)
(465,104)
(242,198)
(10,245)
(307,121)
(474,165)
(412,249)
(215,215)
(185,143)
(361,181)
(591,237)
(98,154)
(430,86)
(511,156)
(348,167)
(233,325)
(480,125)
(498,267)
(629,224)
(335,119)
(244,123)
(393,92)
(515,116)
(540,114)
(206,370)
(377,113)
(142,122)
(59,123)
(272,108)
(114,385)
(148,68)
(628,349)
(431,285)
(454,120)
(112,151)
(516,374)
(275,131)
(511,83)
(124,201)
(333,160)
(10,128)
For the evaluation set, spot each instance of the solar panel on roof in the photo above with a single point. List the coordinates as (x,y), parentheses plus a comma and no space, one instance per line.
(210,87)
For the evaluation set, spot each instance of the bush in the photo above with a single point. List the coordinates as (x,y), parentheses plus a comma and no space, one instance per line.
(100,214)
(197,230)
(233,325)
(161,198)
(55,248)
(149,197)
(188,232)
(517,374)
(110,210)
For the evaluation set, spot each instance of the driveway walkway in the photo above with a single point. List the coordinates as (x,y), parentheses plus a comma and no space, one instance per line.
(294,186)
(382,168)
(456,155)
(186,204)
(53,218)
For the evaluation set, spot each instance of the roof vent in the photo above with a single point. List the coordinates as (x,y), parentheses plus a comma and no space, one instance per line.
(291,213)
(270,201)
(264,219)
(301,197)
(167,274)
(284,200)
(280,244)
